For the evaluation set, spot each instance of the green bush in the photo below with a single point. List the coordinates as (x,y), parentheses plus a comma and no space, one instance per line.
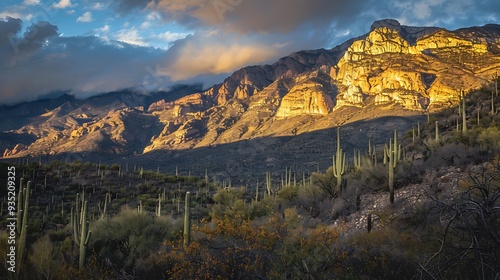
(130,236)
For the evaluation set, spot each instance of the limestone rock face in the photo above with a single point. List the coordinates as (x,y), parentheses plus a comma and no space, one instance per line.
(157,106)
(380,40)
(306,98)
(424,73)
(408,99)
(310,94)
(353,96)
(445,39)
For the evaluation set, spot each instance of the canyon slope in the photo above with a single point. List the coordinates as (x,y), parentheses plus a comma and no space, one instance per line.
(269,116)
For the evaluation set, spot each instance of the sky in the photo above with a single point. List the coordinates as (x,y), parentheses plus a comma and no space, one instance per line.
(86,48)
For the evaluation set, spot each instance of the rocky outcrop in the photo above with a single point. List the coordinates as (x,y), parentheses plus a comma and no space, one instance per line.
(16,150)
(306,98)
(380,40)
(444,39)
(386,65)
(353,96)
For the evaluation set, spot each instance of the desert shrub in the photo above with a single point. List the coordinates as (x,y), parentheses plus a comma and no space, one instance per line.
(369,178)
(386,253)
(230,202)
(288,193)
(452,154)
(130,236)
(469,237)
(227,248)
(326,182)
(309,198)
(45,258)
(489,139)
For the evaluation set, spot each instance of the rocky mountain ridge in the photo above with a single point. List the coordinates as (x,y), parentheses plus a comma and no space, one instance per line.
(394,70)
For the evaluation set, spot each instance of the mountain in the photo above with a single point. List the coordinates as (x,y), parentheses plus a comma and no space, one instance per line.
(268,116)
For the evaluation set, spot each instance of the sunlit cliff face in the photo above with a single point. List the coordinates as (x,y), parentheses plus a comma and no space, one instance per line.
(393,70)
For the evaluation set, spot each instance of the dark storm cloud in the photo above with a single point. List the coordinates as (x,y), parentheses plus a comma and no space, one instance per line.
(18,49)
(8,27)
(246,16)
(40,62)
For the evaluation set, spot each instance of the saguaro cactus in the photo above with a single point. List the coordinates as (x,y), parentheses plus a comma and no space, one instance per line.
(24,222)
(158,209)
(392,154)
(369,223)
(496,83)
(20,201)
(81,231)
(357,160)
(464,118)
(187,219)
(338,163)
(437,132)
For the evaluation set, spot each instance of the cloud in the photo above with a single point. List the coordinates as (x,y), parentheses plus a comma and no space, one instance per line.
(217,53)
(130,36)
(31,2)
(8,28)
(448,14)
(104,29)
(207,55)
(171,36)
(98,6)
(14,11)
(83,66)
(86,17)
(249,16)
(152,16)
(63,4)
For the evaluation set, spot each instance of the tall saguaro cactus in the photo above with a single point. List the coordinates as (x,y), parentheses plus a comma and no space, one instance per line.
(338,163)
(392,154)
(437,132)
(187,219)
(24,222)
(464,118)
(81,231)
(496,83)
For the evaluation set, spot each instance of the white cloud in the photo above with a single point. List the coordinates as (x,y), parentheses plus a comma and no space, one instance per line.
(171,36)
(86,17)
(98,6)
(63,4)
(31,2)
(12,14)
(153,16)
(146,25)
(130,36)
(200,55)
(103,29)
(70,12)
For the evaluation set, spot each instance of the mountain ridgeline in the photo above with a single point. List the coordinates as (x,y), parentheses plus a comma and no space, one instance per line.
(269,116)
